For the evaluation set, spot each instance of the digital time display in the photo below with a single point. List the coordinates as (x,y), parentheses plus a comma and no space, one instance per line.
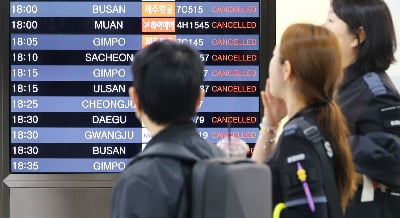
(70,73)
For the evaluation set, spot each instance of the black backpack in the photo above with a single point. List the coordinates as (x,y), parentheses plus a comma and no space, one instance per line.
(222,187)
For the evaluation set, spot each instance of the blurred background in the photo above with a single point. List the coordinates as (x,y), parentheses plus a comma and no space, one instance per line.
(315,11)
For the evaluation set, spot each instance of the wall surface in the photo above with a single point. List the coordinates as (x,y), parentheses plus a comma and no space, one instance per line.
(315,11)
(304,11)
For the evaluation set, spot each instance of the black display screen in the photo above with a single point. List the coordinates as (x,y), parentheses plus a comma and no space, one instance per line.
(69,75)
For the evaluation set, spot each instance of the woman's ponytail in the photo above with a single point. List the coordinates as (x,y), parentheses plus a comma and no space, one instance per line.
(333,124)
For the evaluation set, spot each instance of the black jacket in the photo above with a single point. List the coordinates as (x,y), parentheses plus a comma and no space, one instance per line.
(293,147)
(156,187)
(374,123)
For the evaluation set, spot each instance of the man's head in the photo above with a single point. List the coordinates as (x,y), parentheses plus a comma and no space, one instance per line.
(167,79)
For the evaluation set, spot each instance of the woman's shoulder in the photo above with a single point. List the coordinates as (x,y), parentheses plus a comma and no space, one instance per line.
(305,119)
(379,90)
(371,85)
(298,133)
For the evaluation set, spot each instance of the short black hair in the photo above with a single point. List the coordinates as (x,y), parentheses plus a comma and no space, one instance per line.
(376,53)
(167,78)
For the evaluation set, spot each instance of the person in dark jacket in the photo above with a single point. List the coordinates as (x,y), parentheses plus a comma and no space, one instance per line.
(370,102)
(303,76)
(166,92)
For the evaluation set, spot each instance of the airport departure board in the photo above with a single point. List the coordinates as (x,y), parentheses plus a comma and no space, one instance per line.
(69,70)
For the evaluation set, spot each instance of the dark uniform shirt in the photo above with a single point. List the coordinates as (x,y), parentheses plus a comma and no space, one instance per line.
(293,147)
(372,119)
(155,187)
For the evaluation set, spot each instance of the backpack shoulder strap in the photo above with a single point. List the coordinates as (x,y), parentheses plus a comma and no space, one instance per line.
(314,136)
(167,150)
(375,84)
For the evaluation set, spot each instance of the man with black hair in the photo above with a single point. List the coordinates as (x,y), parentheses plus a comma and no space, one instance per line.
(166,92)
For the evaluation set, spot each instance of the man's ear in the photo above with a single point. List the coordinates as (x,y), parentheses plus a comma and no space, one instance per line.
(200,100)
(359,38)
(134,96)
(287,70)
